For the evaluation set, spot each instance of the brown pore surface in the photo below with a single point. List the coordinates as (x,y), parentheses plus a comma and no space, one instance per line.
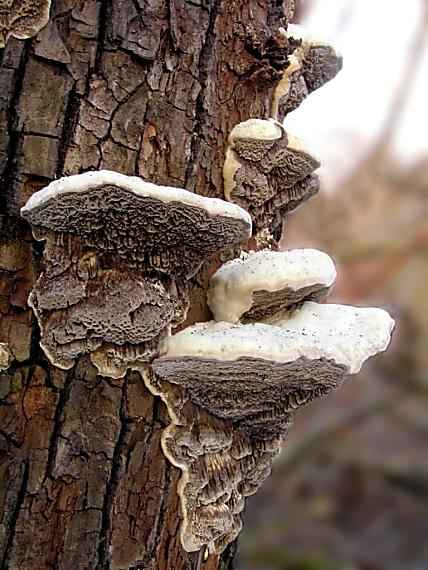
(267,304)
(316,63)
(228,419)
(271,178)
(288,199)
(114,308)
(221,466)
(144,232)
(241,389)
(320,65)
(295,95)
(149,89)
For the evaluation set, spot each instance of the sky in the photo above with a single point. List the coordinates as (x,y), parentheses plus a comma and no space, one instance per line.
(340,120)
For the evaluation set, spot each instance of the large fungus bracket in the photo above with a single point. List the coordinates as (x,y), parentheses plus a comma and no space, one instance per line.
(119,252)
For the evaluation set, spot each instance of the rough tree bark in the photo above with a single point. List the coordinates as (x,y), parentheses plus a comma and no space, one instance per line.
(148,88)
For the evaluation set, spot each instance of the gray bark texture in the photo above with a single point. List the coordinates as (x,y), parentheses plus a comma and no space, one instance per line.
(149,88)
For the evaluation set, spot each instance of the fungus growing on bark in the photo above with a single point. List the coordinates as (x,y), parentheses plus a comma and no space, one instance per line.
(5,356)
(116,308)
(311,65)
(263,162)
(286,200)
(316,346)
(22,19)
(118,255)
(252,377)
(221,466)
(320,62)
(291,90)
(265,283)
(252,139)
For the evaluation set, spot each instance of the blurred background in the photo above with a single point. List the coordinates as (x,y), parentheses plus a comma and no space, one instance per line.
(350,489)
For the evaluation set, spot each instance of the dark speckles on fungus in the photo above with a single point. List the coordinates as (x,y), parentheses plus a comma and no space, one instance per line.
(267,283)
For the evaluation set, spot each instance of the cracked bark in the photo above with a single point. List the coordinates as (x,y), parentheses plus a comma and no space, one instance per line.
(145,88)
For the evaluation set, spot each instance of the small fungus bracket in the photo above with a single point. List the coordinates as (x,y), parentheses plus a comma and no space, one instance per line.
(264,284)
(267,171)
(312,64)
(22,19)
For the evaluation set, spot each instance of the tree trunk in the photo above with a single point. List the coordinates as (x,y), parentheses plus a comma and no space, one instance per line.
(147,88)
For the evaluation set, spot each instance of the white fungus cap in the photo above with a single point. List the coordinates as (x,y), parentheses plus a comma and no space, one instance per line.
(298,32)
(257,129)
(340,333)
(230,294)
(81,183)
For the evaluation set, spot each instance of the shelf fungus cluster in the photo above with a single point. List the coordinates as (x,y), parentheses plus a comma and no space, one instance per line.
(220,465)
(22,19)
(118,254)
(267,171)
(232,384)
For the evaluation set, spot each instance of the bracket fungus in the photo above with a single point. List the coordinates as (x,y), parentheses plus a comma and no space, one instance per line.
(239,370)
(118,254)
(266,171)
(22,19)
(252,377)
(220,467)
(311,65)
(265,283)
